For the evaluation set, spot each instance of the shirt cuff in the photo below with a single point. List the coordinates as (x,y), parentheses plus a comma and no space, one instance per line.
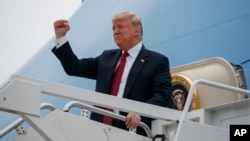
(60,41)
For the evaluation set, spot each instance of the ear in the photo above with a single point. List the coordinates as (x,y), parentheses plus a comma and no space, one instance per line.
(137,31)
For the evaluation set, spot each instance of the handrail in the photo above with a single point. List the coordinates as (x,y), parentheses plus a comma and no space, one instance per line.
(72,104)
(20,120)
(99,99)
(191,92)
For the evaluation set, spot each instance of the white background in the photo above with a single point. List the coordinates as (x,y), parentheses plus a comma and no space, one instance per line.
(26,25)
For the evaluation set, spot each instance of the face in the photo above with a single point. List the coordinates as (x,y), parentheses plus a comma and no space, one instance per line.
(124,34)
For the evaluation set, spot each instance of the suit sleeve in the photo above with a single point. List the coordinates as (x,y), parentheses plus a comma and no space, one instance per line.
(86,67)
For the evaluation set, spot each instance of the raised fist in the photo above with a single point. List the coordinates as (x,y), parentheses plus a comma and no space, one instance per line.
(61,27)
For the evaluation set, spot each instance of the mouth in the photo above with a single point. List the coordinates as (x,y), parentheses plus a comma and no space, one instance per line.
(118,38)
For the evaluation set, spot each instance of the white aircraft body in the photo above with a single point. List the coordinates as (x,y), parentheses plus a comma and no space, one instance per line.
(207,43)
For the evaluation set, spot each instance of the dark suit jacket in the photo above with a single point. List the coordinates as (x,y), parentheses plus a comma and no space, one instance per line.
(149,79)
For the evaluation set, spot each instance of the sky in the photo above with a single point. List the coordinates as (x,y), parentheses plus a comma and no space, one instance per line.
(26,25)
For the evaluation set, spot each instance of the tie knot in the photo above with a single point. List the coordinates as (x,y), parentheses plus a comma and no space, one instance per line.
(125,54)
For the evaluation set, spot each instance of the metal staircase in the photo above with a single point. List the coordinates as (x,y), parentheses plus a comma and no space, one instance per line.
(62,125)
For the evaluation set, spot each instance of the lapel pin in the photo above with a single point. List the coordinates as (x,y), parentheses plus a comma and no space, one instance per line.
(142,60)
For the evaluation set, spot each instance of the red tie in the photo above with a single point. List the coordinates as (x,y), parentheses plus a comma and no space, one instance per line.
(116,84)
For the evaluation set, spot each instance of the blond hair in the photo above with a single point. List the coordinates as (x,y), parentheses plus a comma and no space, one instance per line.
(134,19)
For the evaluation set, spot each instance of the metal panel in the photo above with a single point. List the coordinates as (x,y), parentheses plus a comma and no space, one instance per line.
(192,131)
(75,128)
(21,96)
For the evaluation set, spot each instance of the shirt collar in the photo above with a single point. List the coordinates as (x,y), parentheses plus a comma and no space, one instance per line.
(134,51)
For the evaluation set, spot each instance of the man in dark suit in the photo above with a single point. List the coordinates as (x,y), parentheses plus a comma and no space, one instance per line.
(146,76)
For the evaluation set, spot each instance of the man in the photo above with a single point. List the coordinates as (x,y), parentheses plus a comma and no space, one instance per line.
(145,77)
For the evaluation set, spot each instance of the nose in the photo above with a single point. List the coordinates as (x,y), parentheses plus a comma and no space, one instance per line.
(115,30)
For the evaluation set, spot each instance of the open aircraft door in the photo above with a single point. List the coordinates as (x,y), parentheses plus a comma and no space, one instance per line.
(213,69)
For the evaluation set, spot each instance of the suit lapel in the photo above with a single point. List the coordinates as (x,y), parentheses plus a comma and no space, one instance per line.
(136,68)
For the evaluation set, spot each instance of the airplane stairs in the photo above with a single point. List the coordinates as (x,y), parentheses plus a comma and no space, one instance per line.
(211,123)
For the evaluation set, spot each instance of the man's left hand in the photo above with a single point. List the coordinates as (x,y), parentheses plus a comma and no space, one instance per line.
(132,120)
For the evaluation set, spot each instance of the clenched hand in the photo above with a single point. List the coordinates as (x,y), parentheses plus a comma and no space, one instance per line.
(61,27)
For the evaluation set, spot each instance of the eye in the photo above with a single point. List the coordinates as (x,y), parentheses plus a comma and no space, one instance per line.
(118,27)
